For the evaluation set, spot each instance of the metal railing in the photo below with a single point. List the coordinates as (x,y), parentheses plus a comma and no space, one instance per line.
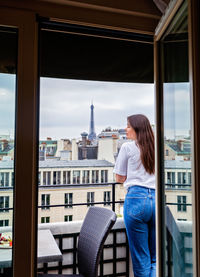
(60,267)
(113,202)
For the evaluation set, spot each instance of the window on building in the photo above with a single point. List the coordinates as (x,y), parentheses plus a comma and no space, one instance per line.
(39,178)
(86,177)
(68,200)
(68,218)
(189,178)
(170,177)
(4,222)
(184,177)
(104,176)
(90,199)
(12,179)
(181,219)
(45,201)
(179,178)
(167,152)
(46,178)
(4,179)
(173,177)
(56,177)
(95,176)
(45,219)
(182,201)
(106,198)
(66,177)
(76,176)
(4,203)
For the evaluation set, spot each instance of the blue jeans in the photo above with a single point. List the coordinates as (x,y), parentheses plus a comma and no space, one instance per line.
(139,218)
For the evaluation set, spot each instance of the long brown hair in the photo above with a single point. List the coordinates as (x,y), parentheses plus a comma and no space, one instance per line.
(145,140)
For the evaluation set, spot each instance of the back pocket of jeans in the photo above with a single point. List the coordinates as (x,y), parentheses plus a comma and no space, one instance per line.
(136,206)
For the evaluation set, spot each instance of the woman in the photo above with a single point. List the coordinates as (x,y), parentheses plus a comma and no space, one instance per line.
(135,167)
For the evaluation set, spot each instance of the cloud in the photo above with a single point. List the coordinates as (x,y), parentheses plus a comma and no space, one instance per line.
(177,116)
(7,104)
(65,104)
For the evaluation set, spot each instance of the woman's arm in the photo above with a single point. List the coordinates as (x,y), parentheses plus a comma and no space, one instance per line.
(120,178)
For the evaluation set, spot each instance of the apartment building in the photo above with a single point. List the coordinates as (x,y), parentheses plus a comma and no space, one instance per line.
(178,193)
(61,184)
(71,203)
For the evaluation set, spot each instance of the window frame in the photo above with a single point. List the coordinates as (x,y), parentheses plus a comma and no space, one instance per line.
(4,203)
(104,176)
(27,112)
(45,219)
(45,201)
(107,198)
(46,178)
(90,198)
(85,176)
(181,200)
(76,176)
(4,179)
(95,176)
(68,218)
(194,71)
(66,177)
(25,173)
(68,199)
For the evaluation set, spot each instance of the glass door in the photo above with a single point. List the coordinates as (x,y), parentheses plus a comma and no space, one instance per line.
(8,57)
(175,155)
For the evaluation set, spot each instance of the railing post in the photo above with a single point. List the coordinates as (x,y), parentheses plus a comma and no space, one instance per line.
(113,197)
(169,255)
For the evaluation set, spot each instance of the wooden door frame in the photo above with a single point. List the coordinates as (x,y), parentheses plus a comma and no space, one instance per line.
(194,71)
(26,139)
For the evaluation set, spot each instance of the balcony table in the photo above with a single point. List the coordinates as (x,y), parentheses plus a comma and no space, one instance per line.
(48,250)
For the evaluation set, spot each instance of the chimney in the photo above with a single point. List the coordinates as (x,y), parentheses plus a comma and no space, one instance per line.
(180,144)
(74,150)
(84,139)
(84,142)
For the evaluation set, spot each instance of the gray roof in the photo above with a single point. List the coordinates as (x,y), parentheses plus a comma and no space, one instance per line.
(186,148)
(76,163)
(63,163)
(178,164)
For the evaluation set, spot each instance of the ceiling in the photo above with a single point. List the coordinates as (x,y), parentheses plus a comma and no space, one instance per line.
(129,15)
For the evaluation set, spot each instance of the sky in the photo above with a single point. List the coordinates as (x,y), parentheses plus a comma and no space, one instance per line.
(177,117)
(65,106)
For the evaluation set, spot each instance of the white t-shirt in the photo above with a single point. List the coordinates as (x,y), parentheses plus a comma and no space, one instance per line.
(129,164)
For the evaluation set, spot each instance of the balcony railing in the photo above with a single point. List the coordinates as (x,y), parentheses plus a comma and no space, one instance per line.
(111,259)
(113,202)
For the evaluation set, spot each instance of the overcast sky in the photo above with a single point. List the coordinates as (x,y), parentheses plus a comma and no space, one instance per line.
(65,106)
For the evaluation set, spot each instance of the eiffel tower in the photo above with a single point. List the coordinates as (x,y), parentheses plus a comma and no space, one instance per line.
(92,134)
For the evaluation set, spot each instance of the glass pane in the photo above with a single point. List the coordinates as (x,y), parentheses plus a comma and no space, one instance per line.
(8,57)
(177,147)
(83,113)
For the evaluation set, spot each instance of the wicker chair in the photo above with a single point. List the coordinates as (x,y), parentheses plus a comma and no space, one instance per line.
(94,231)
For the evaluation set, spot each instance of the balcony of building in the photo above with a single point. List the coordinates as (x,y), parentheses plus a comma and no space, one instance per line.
(115,259)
